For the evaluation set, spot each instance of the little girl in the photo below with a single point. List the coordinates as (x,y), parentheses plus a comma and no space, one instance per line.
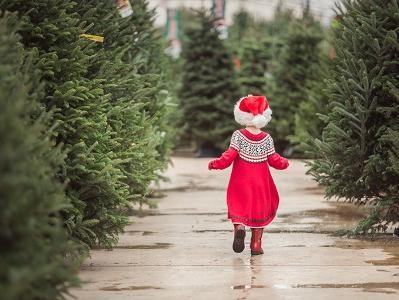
(252,197)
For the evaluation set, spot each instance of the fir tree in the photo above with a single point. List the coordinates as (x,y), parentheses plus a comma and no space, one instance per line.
(309,120)
(35,255)
(208,90)
(358,149)
(294,70)
(94,181)
(239,31)
(255,61)
(140,104)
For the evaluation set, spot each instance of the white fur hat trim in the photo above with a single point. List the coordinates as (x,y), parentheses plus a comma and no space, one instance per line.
(248,119)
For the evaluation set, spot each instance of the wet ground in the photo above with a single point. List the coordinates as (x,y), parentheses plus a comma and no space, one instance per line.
(182,249)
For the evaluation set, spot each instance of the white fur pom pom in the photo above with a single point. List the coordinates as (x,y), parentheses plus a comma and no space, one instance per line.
(259,121)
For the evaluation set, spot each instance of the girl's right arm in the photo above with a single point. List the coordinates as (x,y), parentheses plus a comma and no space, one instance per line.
(278,162)
(274,159)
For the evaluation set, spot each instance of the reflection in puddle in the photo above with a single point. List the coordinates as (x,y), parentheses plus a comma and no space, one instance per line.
(130,288)
(144,247)
(139,232)
(376,287)
(212,230)
(390,247)
(249,286)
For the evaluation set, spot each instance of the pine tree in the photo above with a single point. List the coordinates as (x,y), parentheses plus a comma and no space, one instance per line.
(35,255)
(208,90)
(94,181)
(358,149)
(255,61)
(295,68)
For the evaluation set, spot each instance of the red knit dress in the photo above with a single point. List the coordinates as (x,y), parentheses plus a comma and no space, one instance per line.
(252,197)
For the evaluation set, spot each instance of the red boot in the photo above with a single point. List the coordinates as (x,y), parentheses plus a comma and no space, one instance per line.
(256,241)
(239,238)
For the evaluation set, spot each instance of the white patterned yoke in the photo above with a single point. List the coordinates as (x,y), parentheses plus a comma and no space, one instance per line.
(252,151)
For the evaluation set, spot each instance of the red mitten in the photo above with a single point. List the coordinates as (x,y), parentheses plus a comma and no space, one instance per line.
(210,165)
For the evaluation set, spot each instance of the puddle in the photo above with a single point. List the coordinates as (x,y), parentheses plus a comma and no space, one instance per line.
(149,213)
(145,247)
(338,216)
(130,288)
(389,246)
(139,232)
(213,230)
(249,286)
(338,212)
(194,187)
(316,190)
(376,287)
(141,213)
(296,230)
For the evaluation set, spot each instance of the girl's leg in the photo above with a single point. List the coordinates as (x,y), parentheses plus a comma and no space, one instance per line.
(239,238)
(256,241)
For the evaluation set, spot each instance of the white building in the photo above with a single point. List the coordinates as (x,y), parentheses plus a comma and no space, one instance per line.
(260,9)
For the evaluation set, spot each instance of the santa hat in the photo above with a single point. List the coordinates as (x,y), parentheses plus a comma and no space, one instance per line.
(252,111)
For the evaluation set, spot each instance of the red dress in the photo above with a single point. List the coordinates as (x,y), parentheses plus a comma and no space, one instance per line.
(252,197)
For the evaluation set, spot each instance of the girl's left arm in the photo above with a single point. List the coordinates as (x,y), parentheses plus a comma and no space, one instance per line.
(224,160)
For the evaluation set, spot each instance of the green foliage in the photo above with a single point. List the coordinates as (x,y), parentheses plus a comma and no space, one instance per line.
(141,107)
(295,69)
(254,68)
(309,117)
(208,90)
(111,103)
(35,254)
(359,145)
(94,180)
(241,30)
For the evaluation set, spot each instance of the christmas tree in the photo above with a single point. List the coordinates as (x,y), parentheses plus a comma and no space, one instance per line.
(238,31)
(141,106)
(208,90)
(35,254)
(358,149)
(295,68)
(94,181)
(309,117)
(254,69)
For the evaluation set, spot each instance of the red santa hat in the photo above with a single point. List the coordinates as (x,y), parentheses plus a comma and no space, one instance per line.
(252,111)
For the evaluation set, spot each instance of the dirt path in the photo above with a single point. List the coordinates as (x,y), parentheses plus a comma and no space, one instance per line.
(182,249)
